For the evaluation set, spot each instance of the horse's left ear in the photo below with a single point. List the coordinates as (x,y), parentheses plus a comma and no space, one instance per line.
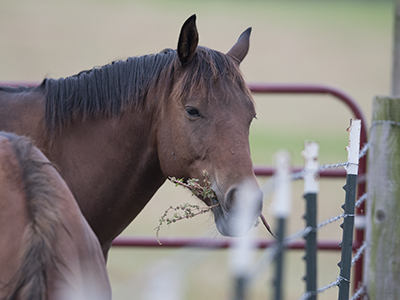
(188,40)
(240,49)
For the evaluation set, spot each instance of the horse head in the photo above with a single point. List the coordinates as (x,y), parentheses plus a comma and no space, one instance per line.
(204,124)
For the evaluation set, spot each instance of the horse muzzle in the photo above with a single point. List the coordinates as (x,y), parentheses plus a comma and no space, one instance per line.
(238,210)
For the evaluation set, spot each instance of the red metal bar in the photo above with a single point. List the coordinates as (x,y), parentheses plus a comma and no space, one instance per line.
(146,242)
(267,171)
(330,173)
(354,107)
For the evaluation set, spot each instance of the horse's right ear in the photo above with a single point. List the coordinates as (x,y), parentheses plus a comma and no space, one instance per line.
(188,40)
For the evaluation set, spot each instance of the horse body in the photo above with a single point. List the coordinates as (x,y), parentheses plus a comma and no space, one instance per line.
(48,250)
(117,132)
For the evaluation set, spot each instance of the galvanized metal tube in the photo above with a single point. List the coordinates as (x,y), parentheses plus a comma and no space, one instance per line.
(281,210)
(349,209)
(311,188)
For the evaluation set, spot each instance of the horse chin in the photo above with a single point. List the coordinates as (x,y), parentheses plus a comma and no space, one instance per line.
(224,228)
(228,222)
(223,222)
(220,220)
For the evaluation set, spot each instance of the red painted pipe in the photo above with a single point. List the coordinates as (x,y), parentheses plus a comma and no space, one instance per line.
(354,107)
(330,173)
(147,242)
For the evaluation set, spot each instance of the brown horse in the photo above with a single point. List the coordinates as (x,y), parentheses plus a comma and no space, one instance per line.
(117,132)
(47,248)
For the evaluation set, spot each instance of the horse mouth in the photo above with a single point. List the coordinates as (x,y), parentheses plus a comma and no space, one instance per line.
(222,220)
(220,217)
(223,223)
(226,220)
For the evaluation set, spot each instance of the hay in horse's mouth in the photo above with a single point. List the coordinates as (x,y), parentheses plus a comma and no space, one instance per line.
(209,197)
(185,211)
(203,192)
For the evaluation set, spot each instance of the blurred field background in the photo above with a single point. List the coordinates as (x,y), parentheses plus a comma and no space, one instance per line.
(346,44)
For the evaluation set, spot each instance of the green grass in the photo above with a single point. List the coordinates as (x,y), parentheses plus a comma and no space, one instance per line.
(264,144)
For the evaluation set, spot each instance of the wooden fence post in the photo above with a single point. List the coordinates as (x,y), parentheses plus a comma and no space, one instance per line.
(396,51)
(382,257)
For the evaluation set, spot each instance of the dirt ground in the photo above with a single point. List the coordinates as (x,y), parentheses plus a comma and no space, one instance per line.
(346,44)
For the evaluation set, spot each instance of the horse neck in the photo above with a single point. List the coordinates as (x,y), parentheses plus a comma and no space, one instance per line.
(23,114)
(112,168)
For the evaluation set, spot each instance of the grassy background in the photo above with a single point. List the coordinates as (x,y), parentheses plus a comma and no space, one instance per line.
(346,44)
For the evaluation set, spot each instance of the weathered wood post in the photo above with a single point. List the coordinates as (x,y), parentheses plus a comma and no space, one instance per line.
(382,257)
(396,51)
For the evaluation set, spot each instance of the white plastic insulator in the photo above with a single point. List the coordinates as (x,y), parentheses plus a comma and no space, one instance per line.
(311,166)
(353,148)
(283,192)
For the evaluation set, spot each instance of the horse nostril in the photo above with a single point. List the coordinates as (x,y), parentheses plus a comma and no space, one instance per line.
(231,198)
(238,209)
(234,195)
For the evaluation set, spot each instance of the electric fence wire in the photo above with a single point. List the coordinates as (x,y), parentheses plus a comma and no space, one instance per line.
(269,254)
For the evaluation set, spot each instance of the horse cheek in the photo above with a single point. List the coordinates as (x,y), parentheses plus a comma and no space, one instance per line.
(170,150)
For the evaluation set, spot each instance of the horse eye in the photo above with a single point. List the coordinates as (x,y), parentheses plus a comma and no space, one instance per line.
(192,112)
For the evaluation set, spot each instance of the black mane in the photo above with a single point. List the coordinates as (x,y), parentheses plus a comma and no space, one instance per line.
(108,90)
(102,91)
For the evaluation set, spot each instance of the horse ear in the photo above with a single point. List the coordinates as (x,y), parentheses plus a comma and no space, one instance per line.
(240,49)
(188,40)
